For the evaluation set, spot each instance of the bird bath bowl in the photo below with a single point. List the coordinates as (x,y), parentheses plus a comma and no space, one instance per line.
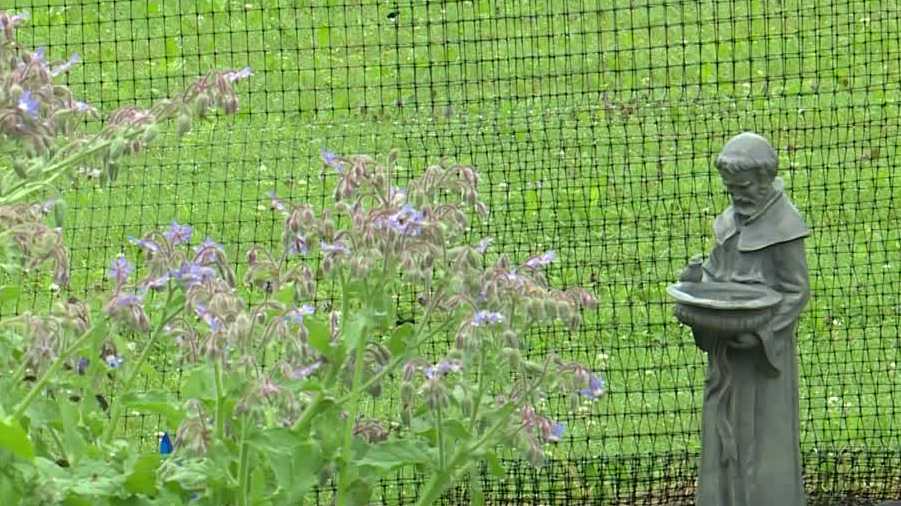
(724,308)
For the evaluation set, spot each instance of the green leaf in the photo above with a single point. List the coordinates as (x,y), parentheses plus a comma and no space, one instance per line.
(14,439)
(9,293)
(285,295)
(296,463)
(198,384)
(394,454)
(354,330)
(158,402)
(360,493)
(495,467)
(319,335)
(142,479)
(400,338)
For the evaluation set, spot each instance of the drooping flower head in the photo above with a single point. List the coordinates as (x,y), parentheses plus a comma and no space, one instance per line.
(178,234)
(484,318)
(332,160)
(543,260)
(595,389)
(119,270)
(71,62)
(28,104)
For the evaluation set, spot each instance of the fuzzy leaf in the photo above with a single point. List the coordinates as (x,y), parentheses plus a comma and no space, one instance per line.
(400,338)
(158,402)
(394,454)
(142,479)
(14,439)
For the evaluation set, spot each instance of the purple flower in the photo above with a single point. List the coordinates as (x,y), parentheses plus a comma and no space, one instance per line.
(113,361)
(334,248)
(37,57)
(191,274)
(408,221)
(237,75)
(396,193)
(157,282)
(28,104)
(331,159)
(71,62)
(298,245)
(303,372)
(555,433)
(177,234)
(209,318)
(145,244)
(443,368)
(484,244)
(120,270)
(539,261)
(82,107)
(595,388)
(483,318)
(276,203)
(126,300)
(296,315)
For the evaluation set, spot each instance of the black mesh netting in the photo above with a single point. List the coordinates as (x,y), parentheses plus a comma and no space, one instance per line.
(594,125)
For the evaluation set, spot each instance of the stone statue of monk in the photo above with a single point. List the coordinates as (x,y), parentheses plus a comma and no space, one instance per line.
(750,430)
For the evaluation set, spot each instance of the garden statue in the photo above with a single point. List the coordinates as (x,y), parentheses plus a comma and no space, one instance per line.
(743,305)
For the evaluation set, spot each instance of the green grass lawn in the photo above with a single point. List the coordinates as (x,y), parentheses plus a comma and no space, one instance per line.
(593,125)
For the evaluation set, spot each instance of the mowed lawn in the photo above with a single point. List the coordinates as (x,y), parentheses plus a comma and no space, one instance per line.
(593,124)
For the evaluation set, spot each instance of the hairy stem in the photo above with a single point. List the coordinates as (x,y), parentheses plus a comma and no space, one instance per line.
(51,371)
(220,399)
(116,411)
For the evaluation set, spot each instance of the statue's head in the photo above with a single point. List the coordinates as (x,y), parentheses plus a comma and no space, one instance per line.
(747,165)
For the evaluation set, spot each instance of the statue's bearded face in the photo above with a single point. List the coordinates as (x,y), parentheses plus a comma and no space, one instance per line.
(749,190)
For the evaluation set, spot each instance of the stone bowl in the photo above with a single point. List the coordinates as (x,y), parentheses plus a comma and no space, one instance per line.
(726,309)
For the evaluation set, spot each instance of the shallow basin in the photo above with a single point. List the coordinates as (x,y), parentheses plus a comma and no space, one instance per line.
(727,308)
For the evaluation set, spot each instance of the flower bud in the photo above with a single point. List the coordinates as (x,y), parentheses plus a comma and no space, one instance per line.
(151,132)
(535,309)
(513,357)
(20,165)
(201,105)
(435,395)
(510,338)
(183,125)
(534,455)
(406,393)
(117,148)
(59,212)
(532,367)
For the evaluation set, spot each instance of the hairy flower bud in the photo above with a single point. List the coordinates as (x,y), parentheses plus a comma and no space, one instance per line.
(510,338)
(183,124)
(435,393)
(513,357)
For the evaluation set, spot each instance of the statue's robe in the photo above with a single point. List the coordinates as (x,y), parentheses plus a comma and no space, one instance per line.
(750,428)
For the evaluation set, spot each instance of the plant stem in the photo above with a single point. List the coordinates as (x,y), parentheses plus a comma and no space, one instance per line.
(116,411)
(346,454)
(462,459)
(244,468)
(479,392)
(24,189)
(439,430)
(220,400)
(51,371)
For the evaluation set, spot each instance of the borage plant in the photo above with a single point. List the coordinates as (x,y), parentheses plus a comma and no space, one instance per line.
(279,395)
(48,137)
